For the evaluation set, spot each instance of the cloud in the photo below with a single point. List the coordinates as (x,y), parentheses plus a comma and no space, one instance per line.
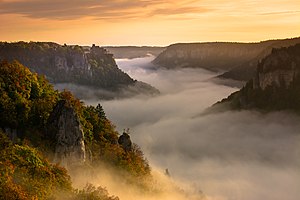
(281,12)
(104,9)
(232,155)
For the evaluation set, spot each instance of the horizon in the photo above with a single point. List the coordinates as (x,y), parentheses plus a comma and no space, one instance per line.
(148,23)
(129,45)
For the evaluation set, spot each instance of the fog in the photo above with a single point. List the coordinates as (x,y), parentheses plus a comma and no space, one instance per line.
(232,155)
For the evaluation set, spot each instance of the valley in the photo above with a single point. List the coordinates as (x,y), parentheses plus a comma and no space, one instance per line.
(245,146)
(149,100)
(228,155)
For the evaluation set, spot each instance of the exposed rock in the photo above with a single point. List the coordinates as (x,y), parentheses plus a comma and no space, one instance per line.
(93,67)
(275,86)
(65,129)
(278,78)
(278,69)
(125,141)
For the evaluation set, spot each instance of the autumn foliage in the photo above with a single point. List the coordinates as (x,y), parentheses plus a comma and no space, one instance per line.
(26,102)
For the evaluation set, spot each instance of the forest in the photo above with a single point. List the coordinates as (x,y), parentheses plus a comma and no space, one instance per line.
(26,103)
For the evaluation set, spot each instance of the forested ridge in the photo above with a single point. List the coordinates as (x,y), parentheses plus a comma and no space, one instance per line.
(68,64)
(27,101)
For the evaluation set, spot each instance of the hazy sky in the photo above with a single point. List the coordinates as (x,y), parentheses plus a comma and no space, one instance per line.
(147,22)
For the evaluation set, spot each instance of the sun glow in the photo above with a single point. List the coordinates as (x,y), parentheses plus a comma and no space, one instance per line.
(126,22)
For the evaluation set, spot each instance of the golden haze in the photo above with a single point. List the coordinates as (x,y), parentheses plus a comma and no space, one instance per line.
(145,22)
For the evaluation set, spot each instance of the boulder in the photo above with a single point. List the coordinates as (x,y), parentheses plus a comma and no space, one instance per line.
(125,141)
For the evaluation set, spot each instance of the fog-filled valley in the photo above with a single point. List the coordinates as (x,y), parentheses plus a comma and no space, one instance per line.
(150,100)
(231,155)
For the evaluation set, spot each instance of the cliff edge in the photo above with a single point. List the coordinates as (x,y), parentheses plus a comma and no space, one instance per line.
(275,85)
(92,67)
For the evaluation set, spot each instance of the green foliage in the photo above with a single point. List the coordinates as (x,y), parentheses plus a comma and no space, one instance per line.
(26,98)
(25,174)
(105,148)
(93,67)
(26,103)
(273,97)
(90,192)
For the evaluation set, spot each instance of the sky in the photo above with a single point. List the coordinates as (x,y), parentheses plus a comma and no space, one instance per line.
(148,22)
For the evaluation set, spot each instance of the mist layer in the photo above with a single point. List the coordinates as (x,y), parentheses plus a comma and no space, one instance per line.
(231,155)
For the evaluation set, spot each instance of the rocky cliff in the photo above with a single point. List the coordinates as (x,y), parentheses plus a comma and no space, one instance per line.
(279,69)
(59,127)
(87,66)
(239,59)
(64,128)
(275,85)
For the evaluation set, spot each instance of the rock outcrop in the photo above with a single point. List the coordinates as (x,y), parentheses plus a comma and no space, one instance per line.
(68,64)
(65,130)
(125,141)
(92,66)
(278,69)
(275,86)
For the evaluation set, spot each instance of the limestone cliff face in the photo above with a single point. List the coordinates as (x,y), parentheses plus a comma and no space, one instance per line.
(65,130)
(68,64)
(275,86)
(279,78)
(278,69)
(79,62)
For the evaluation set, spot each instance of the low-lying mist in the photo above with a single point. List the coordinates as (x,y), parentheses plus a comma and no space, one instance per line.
(232,155)
(158,186)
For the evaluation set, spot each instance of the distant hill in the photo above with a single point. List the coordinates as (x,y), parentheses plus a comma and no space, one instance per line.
(238,60)
(275,85)
(245,71)
(93,67)
(134,51)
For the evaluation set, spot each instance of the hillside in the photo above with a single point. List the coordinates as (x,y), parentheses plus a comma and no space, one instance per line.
(133,51)
(45,124)
(238,60)
(92,67)
(275,85)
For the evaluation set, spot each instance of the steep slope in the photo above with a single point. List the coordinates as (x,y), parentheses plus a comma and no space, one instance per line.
(241,58)
(275,85)
(93,67)
(25,174)
(62,126)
